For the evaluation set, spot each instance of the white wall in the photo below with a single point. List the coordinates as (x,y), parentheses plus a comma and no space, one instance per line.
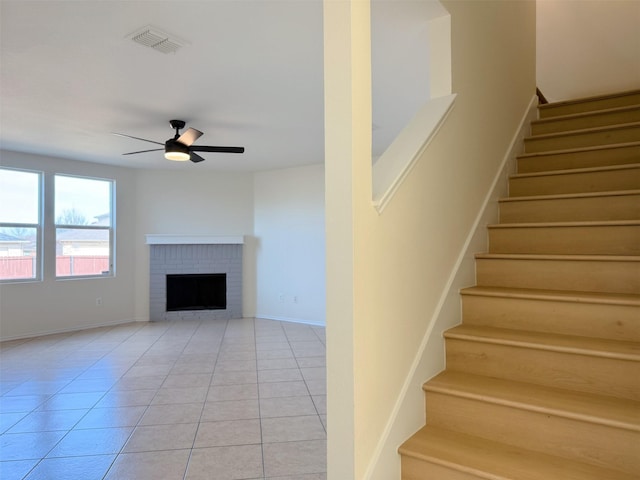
(290,246)
(587,47)
(51,305)
(192,202)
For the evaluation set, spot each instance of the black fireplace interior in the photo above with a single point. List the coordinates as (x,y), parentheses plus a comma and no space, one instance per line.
(199,291)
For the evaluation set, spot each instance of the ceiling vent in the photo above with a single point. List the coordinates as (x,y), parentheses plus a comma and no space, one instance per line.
(155,38)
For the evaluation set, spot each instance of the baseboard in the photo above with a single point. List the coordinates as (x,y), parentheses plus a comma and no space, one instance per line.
(313,323)
(68,330)
(385,462)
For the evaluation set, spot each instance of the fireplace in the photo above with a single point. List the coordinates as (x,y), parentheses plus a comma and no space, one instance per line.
(191,260)
(196,291)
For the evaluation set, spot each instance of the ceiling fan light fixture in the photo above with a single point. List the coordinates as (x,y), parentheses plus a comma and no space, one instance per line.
(176,151)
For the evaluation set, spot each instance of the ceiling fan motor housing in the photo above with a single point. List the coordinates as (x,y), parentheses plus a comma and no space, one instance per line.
(172,145)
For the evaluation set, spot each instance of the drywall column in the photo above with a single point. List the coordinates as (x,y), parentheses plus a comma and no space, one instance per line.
(347,83)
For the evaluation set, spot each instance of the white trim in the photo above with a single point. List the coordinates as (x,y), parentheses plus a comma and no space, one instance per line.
(398,160)
(290,320)
(68,330)
(509,158)
(168,239)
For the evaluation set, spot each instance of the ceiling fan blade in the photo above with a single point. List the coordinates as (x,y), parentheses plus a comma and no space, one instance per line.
(137,138)
(204,148)
(190,136)
(195,158)
(144,151)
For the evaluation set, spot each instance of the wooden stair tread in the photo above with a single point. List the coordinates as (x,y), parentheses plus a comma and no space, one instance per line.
(497,461)
(581,131)
(591,98)
(566,196)
(604,410)
(588,223)
(591,346)
(571,116)
(555,295)
(577,150)
(531,256)
(628,166)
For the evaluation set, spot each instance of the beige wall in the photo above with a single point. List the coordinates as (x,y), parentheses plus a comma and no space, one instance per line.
(386,273)
(33,308)
(587,47)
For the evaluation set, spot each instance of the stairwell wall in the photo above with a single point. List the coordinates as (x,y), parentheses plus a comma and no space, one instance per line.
(404,258)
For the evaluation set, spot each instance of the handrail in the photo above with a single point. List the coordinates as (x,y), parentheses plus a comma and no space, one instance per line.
(541,98)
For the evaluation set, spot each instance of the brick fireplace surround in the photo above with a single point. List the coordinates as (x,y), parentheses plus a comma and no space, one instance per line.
(176,254)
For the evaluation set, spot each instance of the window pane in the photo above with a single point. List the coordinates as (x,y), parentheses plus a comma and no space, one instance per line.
(82,201)
(19,196)
(18,247)
(82,251)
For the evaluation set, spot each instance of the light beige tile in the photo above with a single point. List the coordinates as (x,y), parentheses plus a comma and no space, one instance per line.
(282,375)
(90,467)
(277,363)
(320,401)
(311,476)
(140,382)
(180,395)
(230,410)
(225,463)
(168,465)
(289,429)
(234,378)
(47,421)
(126,398)
(286,407)
(295,458)
(282,389)
(219,393)
(271,354)
(317,387)
(187,380)
(161,437)
(112,417)
(233,432)
(314,373)
(236,366)
(305,362)
(172,413)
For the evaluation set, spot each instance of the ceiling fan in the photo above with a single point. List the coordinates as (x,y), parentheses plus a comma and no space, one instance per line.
(180,148)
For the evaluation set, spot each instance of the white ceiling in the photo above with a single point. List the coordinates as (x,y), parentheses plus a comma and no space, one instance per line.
(251,75)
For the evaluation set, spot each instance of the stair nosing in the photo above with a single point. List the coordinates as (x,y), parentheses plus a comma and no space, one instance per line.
(581,131)
(593,113)
(570,344)
(471,454)
(567,196)
(535,256)
(588,99)
(587,223)
(588,401)
(526,155)
(569,171)
(624,299)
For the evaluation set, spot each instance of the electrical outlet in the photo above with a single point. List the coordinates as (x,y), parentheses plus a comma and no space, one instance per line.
(295,299)
(98,301)
(281,298)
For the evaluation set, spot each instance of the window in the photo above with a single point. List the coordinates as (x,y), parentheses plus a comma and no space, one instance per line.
(20,225)
(84,226)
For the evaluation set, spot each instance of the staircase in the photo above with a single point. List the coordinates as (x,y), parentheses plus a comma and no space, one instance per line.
(542,377)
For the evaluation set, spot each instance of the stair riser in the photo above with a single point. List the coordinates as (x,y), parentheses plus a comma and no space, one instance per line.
(590,121)
(615,322)
(416,469)
(590,105)
(583,159)
(578,182)
(542,432)
(582,139)
(559,240)
(598,375)
(572,275)
(584,209)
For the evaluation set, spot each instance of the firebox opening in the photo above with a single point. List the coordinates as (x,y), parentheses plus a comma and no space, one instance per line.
(200,291)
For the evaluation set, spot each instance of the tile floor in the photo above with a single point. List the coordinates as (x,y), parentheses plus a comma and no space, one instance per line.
(237,399)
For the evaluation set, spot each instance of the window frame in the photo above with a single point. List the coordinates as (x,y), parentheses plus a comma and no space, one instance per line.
(110,228)
(39,227)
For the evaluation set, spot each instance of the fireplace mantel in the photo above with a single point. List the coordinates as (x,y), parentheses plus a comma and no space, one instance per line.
(170,239)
